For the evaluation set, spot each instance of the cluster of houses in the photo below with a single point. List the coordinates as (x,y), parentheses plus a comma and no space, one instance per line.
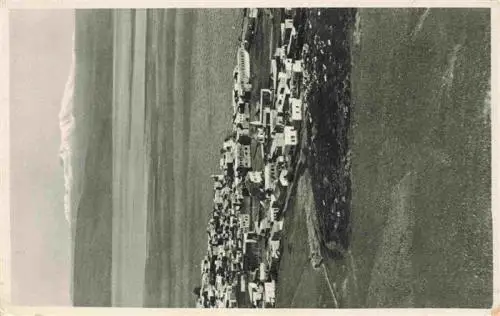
(256,163)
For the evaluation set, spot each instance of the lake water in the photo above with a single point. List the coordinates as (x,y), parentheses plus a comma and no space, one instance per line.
(152,106)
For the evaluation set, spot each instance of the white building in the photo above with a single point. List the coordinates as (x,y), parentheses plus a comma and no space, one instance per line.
(281,101)
(225,191)
(263,226)
(243,71)
(238,193)
(274,73)
(248,237)
(241,122)
(243,159)
(266,100)
(283,178)
(283,85)
(278,225)
(241,118)
(242,131)
(288,12)
(277,122)
(267,117)
(283,140)
(229,144)
(296,109)
(274,246)
(218,181)
(277,144)
(255,176)
(218,177)
(262,272)
(218,200)
(287,31)
(273,209)
(236,85)
(281,160)
(236,201)
(228,157)
(236,103)
(283,92)
(253,13)
(290,136)
(270,172)
(260,135)
(205,265)
(255,294)
(243,283)
(293,66)
(270,292)
(279,53)
(221,163)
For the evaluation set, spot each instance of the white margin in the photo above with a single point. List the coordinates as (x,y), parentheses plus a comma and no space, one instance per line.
(5,246)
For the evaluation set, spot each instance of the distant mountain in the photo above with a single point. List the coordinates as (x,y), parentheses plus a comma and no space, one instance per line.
(67,126)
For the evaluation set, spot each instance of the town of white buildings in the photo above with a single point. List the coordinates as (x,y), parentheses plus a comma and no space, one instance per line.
(256,164)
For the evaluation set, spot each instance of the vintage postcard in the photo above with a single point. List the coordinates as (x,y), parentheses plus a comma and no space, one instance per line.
(234,158)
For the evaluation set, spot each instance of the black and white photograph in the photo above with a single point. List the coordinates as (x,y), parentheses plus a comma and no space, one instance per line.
(304,157)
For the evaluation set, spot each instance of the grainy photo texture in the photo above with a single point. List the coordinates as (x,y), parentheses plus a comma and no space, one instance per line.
(251,158)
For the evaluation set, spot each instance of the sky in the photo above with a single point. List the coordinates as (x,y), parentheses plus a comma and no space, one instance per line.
(40,57)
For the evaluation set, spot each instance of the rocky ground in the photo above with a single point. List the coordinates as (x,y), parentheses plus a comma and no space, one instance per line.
(328,64)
